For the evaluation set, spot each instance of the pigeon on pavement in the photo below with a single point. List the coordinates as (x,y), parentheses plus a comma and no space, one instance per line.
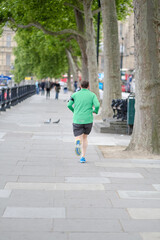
(57,121)
(48,121)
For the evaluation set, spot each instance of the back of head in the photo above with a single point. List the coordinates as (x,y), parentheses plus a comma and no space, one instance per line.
(84,84)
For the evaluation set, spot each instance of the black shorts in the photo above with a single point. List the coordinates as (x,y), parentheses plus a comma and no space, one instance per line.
(79,129)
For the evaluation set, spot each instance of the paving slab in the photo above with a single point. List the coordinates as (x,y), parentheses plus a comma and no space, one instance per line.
(24,225)
(38,179)
(4,193)
(25,235)
(156,186)
(86,180)
(83,203)
(139,194)
(55,186)
(85,194)
(30,198)
(2,134)
(144,213)
(146,161)
(137,225)
(22,212)
(96,213)
(89,225)
(150,235)
(121,174)
(126,165)
(37,171)
(105,236)
(135,203)
(125,186)
(146,181)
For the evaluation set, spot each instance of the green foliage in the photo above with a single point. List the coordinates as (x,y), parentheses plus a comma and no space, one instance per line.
(53,14)
(124,8)
(39,55)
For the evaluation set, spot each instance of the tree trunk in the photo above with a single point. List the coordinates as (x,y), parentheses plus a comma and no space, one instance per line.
(112,86)
(73,66)
(146,133)
(91,47)
(82,44)
(69,79)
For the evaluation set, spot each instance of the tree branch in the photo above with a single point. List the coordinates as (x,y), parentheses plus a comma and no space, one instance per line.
(70,38)
(96,11)
(70,50)
(75,7)
(39,26)
(90,1)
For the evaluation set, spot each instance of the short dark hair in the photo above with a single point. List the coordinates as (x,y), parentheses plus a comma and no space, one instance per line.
(84,84)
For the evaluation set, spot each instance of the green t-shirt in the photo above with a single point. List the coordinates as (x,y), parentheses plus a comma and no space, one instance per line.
(81,104)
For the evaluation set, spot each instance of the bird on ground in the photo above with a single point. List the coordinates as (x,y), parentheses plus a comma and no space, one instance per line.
(48,121)
(57,121)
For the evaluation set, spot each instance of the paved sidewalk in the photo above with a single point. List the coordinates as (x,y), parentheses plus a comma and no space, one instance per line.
(46,194)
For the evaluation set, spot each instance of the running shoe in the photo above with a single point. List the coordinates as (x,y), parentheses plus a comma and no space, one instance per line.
(78,147)
(82,160)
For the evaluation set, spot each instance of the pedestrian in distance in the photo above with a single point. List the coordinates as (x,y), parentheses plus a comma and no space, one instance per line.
(42,87)
(65,88)
(83,104)
(48,88)
(37,87)
(75,86)
(57,89)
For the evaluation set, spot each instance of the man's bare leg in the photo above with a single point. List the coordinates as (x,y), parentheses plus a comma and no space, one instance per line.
(84,144)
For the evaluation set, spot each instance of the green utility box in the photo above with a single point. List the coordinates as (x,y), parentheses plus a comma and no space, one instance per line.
(130,112)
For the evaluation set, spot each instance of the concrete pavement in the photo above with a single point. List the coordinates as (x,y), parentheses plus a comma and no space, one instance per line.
(45,193)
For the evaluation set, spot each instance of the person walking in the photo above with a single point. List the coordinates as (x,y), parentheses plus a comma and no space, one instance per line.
(83,104)
(57,89)
(48,88)
(37,87)
(42,87)
(75,86)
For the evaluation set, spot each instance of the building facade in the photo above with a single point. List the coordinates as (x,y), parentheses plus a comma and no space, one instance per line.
(126,42)
(7,43)
(126,39)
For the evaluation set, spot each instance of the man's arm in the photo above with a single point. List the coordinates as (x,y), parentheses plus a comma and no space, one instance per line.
(96,104)
(70,104)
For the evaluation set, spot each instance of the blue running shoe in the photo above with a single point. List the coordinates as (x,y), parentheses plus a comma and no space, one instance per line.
(82,160)
(78,147)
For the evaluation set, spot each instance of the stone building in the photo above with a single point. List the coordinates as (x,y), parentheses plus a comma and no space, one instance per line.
(126,39)
(7,58)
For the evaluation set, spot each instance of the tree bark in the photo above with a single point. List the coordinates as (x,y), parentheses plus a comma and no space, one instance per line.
(112,86)
(91,47)
(73,66)
(82,44)
(69,79)
(146,133)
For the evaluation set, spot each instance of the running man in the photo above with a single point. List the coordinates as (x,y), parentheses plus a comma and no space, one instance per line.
(81,104)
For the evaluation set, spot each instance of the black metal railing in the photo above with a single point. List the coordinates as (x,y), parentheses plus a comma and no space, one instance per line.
(119,107)
(12,96)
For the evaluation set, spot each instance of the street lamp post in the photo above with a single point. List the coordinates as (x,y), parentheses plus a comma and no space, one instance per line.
(122,51)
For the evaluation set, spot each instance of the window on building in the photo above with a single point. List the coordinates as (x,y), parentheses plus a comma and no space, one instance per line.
(8,59)
(8,43)
(121,30)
